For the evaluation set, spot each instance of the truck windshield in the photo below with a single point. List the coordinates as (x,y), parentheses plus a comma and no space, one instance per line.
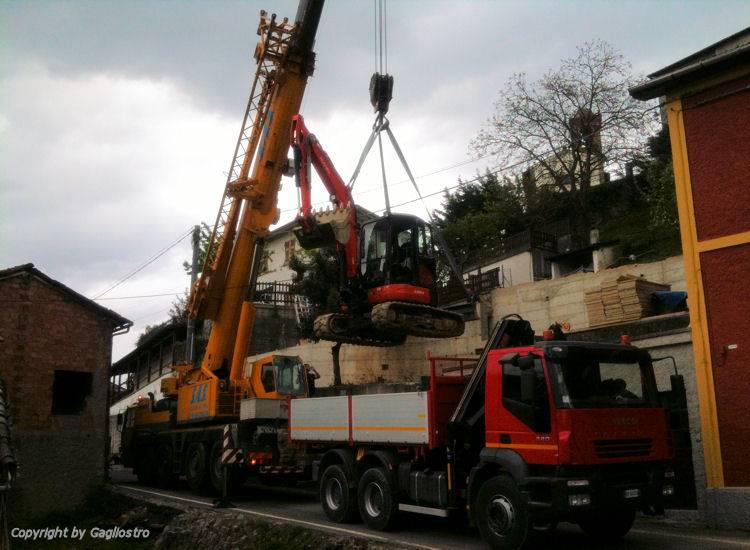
(290,375)
(588,378)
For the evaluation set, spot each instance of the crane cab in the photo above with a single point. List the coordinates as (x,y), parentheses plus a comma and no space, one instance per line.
(277,377)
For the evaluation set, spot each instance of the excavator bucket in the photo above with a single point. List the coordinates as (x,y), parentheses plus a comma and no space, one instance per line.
(325,228)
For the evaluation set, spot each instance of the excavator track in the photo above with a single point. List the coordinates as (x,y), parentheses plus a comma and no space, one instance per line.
(349,329)
(417,320)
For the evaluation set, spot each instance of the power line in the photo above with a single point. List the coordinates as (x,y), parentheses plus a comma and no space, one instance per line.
(406,180)
(495,172)
(143,266)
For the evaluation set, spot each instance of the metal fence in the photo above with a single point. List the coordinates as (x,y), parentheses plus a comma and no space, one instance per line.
(277,293)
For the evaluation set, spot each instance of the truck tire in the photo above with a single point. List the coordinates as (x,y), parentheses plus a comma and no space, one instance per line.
(377,505)
(196,468)
(338,500)
(216,469)
(165,477)
(608,525)
(145,467)
(501,513)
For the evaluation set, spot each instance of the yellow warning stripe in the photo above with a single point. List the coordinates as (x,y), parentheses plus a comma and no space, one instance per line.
(534,446)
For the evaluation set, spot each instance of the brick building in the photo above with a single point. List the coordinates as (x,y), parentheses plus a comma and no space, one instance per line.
(55,352)
(706,97)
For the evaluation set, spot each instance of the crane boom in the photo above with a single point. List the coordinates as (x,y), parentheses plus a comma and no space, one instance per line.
(285,60)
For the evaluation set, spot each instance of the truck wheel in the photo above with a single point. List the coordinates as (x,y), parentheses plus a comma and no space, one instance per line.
(339,502)
(609,525)
(145,469)
(216,469)
(196,470)
(164,468)
(501,513)
(377,505)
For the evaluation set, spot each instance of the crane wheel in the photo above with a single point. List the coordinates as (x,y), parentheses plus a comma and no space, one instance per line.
(196,468)
(145,468)
(164,467)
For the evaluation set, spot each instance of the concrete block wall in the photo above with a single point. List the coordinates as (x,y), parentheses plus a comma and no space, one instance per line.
(562,300)
(59,456)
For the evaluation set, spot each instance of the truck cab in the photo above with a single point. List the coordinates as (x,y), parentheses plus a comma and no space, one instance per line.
(578,428)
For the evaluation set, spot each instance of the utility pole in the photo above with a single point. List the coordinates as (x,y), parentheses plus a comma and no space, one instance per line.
(190,341)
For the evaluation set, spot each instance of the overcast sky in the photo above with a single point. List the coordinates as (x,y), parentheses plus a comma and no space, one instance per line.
(118,118)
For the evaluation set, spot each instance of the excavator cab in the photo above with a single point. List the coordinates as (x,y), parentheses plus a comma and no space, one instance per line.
(397,250)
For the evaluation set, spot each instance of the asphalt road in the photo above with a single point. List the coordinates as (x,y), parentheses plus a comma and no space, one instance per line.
(301,506)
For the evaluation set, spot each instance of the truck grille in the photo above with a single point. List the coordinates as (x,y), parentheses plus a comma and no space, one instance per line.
(622,448)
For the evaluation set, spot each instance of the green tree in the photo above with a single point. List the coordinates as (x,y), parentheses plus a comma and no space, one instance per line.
(203,241)
(317,278)
(478,213)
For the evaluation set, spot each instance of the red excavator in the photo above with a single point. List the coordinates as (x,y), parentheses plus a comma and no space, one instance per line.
(388,282)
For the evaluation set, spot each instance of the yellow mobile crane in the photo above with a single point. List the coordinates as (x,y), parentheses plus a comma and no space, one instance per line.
(181,433)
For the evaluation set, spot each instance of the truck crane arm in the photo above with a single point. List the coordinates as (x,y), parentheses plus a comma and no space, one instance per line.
(223,293)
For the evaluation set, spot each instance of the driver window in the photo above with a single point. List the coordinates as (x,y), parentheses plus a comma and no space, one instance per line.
(535,414)
(267,378)
(425,241)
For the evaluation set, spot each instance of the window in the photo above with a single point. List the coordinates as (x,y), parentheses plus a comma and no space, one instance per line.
(589,378)
(289,250)
(533,412)
(69,391)
(425,241)
(267,377)
(290,374)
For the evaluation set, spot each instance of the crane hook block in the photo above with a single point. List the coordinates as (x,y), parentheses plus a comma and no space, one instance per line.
(381,92)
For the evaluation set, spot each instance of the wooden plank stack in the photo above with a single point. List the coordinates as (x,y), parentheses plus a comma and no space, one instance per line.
(626,298)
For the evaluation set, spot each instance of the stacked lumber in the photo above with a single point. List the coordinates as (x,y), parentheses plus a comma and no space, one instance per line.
(626,298)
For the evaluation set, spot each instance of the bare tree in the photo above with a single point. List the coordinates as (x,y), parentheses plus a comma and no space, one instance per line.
(565,128)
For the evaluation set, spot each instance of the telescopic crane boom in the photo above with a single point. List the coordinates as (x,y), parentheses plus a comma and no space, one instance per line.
(222,294)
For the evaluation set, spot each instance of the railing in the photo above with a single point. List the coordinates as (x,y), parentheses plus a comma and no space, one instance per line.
(505,247)
(475,284)
(276,293)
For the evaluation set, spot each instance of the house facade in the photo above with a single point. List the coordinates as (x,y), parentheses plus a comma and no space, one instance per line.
(55,352)
(706,97)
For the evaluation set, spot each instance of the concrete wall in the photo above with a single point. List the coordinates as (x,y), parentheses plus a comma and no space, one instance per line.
(59,456)
(562,300)
(275,327)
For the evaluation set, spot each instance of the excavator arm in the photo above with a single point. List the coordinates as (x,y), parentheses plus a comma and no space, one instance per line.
(323,228)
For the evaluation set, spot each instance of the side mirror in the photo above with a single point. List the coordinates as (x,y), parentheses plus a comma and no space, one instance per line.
(528,386)
(677,383)
(509,359)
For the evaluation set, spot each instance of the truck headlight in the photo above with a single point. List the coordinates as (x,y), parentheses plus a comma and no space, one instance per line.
(667,490)
(579,500)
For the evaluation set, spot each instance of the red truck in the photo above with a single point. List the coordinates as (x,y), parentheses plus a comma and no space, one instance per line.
(535,433)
